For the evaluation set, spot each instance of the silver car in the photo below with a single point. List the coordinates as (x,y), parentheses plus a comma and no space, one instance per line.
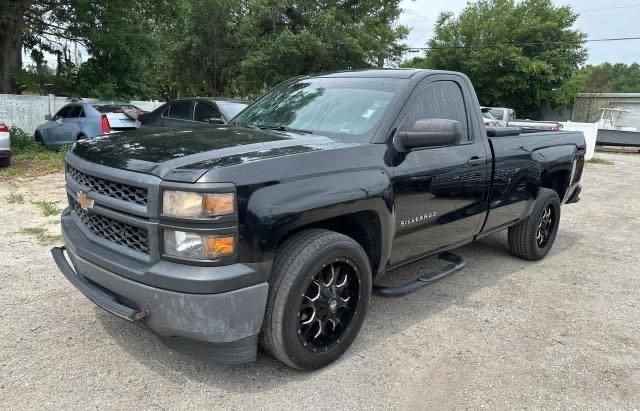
(76,121)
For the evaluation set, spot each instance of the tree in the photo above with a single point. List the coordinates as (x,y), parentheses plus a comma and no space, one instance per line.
(611,78)
(518,54)
(281,39)
(11,29)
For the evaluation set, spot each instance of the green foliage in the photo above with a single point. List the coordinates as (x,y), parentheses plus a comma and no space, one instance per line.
(285,39)
(596,160)
(21,142)
(611,78)
(14,198)
(169,48)
(41,235)
(518,54)
(30,158)
(48,208)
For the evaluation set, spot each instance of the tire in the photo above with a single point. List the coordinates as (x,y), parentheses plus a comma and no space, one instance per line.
(5,162)
(80,137)
(38,138)
(533,237)
(295,314)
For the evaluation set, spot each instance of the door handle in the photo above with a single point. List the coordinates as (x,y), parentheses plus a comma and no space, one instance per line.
(476,161)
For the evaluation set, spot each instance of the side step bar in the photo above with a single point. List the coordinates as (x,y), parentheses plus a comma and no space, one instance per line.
(456,263)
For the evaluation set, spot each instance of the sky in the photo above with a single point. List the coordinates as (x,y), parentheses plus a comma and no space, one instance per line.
(598,18)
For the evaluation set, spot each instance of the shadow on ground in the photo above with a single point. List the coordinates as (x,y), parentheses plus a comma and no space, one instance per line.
(488,262)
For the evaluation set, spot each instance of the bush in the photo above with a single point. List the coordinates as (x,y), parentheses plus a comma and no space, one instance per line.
(31,159)
(21,142)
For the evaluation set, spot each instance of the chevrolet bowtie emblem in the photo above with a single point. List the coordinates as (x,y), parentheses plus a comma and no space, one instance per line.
(84,200)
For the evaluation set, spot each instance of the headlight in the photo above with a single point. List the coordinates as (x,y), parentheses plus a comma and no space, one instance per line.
(189,204)
(198,246)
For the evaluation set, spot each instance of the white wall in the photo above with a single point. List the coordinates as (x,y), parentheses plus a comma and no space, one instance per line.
(27,112)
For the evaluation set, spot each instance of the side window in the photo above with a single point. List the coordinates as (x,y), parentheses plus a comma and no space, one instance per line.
(63,112)
(205,112)
(440,99)
(75,112)
(181,110)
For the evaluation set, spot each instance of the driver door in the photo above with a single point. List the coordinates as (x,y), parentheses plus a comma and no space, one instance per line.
(55,129)
(440,192)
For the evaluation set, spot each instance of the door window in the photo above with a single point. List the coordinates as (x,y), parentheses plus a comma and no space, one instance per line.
(440,99)
(205,112)
(63,112)
(76,111)
(181,110)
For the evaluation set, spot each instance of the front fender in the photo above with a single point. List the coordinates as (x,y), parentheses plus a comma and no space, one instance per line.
(275,211)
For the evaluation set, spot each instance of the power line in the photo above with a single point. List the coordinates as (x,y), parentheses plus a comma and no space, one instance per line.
(533,43)
(630,6)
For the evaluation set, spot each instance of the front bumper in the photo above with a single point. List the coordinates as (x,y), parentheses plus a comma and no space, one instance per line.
(223,326)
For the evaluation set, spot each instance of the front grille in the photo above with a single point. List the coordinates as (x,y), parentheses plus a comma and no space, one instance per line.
(115,231)
(109,188)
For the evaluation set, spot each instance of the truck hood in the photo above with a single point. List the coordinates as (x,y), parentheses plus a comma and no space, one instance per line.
(180,154)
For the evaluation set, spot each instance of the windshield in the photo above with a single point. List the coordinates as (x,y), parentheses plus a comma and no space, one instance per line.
(230,109)
(337,106)
(498,114)
(488,115)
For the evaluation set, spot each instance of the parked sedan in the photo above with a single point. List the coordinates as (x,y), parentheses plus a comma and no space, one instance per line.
(193,111)
(5,145)
(77,121)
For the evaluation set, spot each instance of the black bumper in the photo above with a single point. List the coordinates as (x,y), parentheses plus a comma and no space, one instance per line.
(222,326)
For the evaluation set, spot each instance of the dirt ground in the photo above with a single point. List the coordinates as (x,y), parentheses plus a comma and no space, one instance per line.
(502,333)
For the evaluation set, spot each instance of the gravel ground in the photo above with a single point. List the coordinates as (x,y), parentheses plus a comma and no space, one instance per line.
(502,333)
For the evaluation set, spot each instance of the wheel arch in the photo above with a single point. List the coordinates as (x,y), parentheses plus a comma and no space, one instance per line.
(364,227)
(557,164)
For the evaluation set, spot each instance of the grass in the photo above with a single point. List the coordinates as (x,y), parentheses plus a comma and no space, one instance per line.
(596,160)
(14,198)
(48,208)
(30,159)
(41,235)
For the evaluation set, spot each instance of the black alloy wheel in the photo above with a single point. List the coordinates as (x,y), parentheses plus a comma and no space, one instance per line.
(319,292)
(328,305)
(545,225)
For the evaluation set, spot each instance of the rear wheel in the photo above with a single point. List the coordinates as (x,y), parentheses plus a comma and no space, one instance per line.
(533,237)
(318,299)
(5,162)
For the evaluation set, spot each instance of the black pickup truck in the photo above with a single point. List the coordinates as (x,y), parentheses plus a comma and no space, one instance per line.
(273,229)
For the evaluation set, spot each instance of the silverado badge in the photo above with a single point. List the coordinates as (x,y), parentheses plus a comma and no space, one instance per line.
(84,200)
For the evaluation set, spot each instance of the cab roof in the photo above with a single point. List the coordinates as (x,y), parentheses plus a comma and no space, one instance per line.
(376,73)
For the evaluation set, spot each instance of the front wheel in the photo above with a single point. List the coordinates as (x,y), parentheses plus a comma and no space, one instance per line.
(318,298)
(533,237)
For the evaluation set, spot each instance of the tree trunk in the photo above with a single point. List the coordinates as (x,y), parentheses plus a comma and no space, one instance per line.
(11,30)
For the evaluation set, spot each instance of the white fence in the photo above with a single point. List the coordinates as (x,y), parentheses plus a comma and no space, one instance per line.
(27,112)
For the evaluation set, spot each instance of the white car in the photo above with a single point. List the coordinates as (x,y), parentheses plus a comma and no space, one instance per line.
(489,119)
(5,145)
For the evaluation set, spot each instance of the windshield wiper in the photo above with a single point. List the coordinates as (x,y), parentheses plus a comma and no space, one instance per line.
(273,127)
(282,128)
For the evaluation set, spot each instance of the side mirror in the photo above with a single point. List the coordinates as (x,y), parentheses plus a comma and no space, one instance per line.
(216,120)
(429,133)
(48,117)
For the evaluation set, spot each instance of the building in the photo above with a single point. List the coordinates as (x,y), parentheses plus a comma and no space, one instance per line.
(586,107)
